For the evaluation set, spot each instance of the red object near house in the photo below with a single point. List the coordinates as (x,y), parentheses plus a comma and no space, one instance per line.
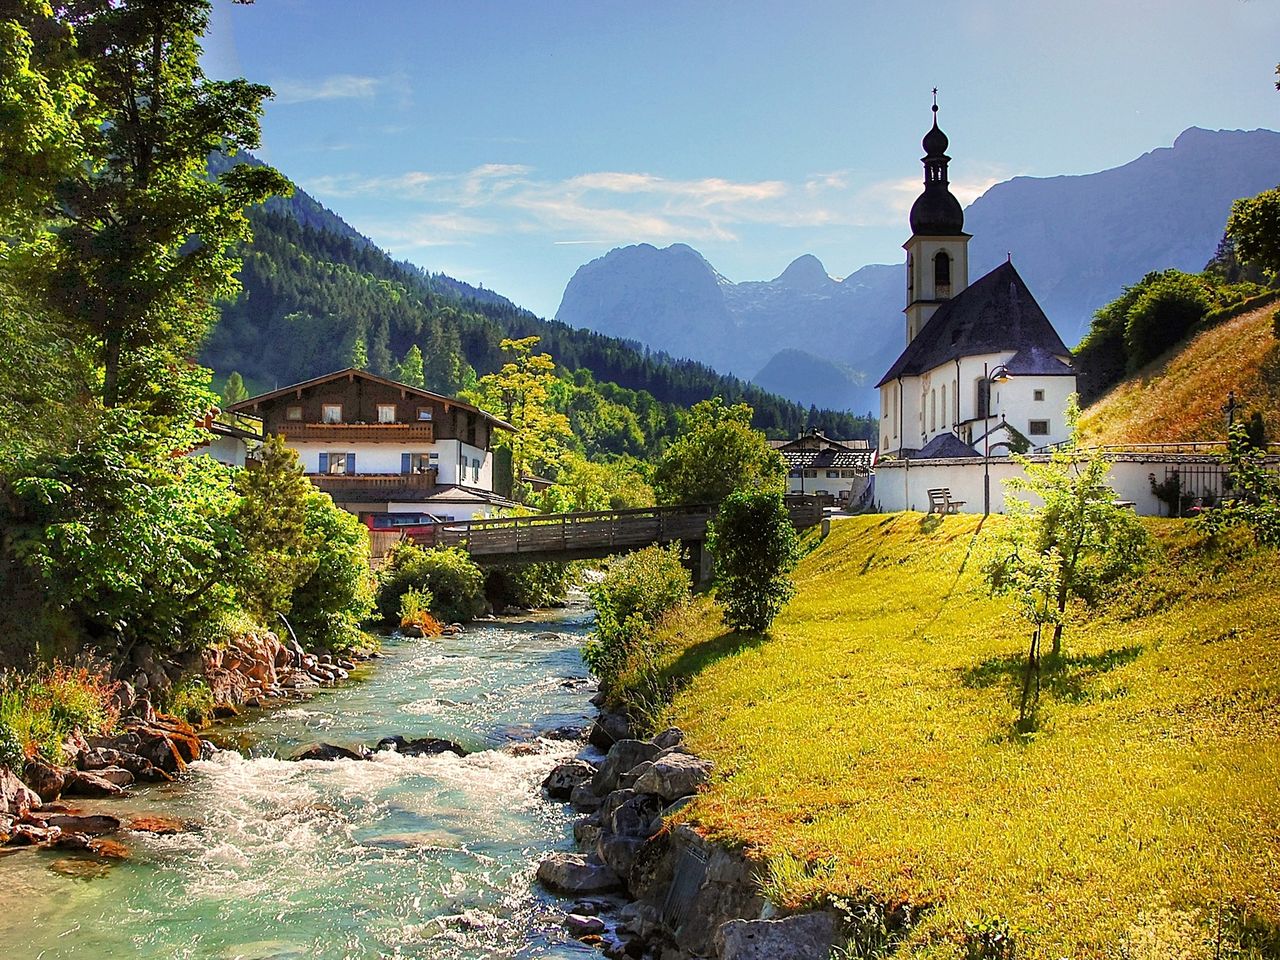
(418,527)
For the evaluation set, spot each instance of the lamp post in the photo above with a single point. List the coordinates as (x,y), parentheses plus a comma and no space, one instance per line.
(999,375)
(986,476)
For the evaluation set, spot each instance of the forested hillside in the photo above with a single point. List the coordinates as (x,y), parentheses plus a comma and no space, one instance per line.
(315,299)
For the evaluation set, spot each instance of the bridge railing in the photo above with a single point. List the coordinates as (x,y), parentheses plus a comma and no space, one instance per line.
(568,532)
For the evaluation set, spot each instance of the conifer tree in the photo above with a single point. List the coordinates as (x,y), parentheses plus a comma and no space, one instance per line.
(411,368)
(234,390)
(359,355)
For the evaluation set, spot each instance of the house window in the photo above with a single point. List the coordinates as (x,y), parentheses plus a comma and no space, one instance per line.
(833,474)
(475,470)
(984,398)
(1038,428)
(386,413)
(424,414)
(293,412)
(331,413)
(416,462)
(1037,394)
(337,464)
(811,474)
(933,410)
(944,405)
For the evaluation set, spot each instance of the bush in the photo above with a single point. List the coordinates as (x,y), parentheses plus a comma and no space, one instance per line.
(755,548)
(192,700)
(329,606)
(637,590)
(1163,315)
(528,584)
(454,582)
(40,710)
(415,613)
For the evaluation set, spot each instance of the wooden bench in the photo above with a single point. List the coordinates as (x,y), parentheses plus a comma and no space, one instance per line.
(940,501)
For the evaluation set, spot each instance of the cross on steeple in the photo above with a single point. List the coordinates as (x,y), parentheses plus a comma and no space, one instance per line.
(935,99)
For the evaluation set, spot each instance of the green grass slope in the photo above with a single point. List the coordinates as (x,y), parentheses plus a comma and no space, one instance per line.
(867,749)
(1180,398)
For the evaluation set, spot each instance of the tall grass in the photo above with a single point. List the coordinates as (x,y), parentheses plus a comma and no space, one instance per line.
(39,711)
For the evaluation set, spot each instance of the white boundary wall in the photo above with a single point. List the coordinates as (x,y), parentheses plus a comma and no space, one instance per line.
(905,484)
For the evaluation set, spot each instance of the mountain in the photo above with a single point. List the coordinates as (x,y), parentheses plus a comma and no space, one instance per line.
(808,378)
(1077,240)
(315,292)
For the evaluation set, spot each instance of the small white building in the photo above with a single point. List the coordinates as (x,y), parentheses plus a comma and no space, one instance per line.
(378,447)
(820,466)
(982,364)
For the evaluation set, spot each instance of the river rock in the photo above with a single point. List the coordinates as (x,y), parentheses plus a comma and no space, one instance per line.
(16,798)
(587,831)
(623,756)
(101,758)
(86,783)
(159,824)
(636,817)
(31,835)
(669,737)
(117,775)
(608,729)
(565,776)
(584,799)
(619,853)
(420,747)
(325,751)
(674,776)
(573,873)
(580,926)
(44,778)
(628,779)
(94,824)
(805,936)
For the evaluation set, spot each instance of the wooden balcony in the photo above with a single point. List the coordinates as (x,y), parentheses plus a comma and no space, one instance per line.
(374,486)
(418,432)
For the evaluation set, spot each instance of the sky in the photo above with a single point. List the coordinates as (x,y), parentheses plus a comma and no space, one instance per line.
(507,142)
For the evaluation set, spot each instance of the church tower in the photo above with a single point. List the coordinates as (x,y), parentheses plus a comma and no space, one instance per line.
(938,251)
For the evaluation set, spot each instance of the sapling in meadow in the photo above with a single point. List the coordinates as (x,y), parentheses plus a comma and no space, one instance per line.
(755,548)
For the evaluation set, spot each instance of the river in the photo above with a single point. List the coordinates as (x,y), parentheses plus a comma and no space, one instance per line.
(429,857)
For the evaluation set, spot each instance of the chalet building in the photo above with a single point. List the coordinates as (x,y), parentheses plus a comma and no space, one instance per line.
(982,365)
(231,439)
(378,446)
(818,465)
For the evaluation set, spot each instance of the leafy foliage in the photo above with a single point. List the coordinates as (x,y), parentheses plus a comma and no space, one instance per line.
(449,576)
(716,453)
(585,485)
(1254,227)
(755,548)
(1251,494)
(39,711)
(637,591)
(528,584)
(329,606)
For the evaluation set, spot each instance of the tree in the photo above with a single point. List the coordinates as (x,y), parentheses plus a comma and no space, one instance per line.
(755,548)
(1251,495)
(1071,546)
(411,368)
(717,453)
(328,607)
(233,391)
(1169,305)
(141,248)
(1254,227)
(520,393)
(278,547)
(359,355)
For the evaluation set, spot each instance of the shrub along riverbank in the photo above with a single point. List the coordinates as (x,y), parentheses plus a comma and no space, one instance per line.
(868,752)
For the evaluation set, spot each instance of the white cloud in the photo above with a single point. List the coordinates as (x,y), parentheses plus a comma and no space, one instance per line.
(618,206)
(338,86)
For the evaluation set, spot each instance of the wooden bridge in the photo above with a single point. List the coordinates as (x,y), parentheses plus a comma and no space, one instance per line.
(584,536)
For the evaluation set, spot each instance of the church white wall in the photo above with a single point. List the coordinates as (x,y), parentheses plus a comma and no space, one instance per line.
(905,485)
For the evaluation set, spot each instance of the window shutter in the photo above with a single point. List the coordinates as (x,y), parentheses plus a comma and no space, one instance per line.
(351,463)
(324,463)
(404,463)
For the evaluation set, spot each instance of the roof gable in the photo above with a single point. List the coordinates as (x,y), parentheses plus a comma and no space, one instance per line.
(996,314)
(372,378)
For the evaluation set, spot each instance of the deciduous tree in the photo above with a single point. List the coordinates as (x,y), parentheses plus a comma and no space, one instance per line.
(755,548)
(717,453)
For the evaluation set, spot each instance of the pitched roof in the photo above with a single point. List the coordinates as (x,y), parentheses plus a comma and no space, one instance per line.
(945,446)
(374,378)
(996,314)
(861,460)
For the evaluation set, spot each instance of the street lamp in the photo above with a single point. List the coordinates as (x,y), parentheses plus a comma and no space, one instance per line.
(1000,374)
(986,475)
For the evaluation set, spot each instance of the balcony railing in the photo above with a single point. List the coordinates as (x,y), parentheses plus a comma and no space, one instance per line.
(364,432)
(359,485)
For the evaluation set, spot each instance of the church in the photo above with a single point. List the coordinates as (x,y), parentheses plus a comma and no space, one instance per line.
(983,368)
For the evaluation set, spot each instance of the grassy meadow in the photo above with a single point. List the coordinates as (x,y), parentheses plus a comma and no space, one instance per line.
(867,750)
(1180,398)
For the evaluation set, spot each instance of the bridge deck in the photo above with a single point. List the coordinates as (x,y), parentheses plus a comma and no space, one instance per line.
(574,536)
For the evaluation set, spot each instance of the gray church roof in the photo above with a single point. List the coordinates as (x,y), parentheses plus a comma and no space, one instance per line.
(996,314)
(945,446)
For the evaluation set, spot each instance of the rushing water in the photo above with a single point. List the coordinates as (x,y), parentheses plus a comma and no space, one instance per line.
(428,857)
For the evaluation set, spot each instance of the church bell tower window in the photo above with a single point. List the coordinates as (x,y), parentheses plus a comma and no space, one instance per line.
(941,275)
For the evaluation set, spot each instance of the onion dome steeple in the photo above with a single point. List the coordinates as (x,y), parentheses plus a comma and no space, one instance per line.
(936,212)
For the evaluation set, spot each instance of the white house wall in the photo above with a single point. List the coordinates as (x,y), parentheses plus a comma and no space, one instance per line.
(384,458)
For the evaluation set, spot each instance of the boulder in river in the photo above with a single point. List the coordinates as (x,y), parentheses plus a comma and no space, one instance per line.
(674,776)
(16,798)
(86,783)
(607,729)
(565,776)
(325,751)
(44,778)
(419,747)
(625,756)
(94,824)
(573,873)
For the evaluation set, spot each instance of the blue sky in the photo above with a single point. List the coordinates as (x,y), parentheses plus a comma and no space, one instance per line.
(506,142)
